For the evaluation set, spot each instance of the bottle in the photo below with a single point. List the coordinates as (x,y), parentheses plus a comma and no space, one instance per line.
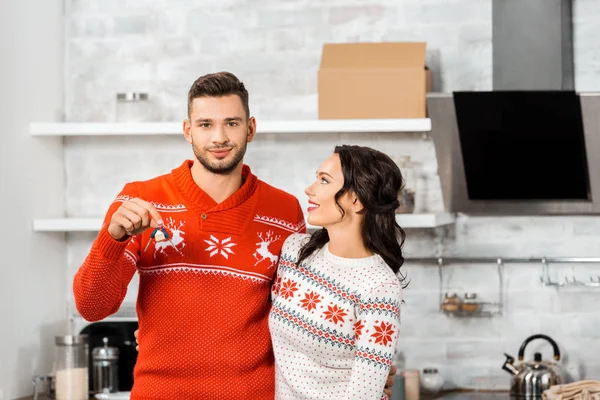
(411,384)
(398,390)
(406,197)
(408,172)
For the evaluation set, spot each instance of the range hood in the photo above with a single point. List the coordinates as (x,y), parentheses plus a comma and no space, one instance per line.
(532,145)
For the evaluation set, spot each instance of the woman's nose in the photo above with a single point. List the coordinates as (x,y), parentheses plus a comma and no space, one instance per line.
(308,191)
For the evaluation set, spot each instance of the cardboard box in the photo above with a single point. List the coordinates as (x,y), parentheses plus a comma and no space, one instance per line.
(373,80)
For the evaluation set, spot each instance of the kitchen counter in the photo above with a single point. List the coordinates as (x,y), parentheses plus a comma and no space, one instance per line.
(468,395)
(454,395)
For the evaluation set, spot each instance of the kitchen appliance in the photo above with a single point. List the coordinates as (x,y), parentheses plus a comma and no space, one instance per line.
(120,337)
(518,152)
(531,378)
(527,147)
(105,361)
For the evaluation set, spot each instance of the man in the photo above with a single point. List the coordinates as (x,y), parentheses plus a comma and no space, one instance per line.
(207,263)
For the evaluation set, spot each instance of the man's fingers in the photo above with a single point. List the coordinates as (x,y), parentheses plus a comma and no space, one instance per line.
(141,211)
(135,221)
(151,210)
(123,221)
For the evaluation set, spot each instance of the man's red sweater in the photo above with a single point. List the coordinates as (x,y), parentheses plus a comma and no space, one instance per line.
(203,300)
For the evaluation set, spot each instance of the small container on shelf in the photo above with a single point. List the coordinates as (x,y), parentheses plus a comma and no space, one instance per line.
(406,197)
(451,303)
(470,304)
(133,107)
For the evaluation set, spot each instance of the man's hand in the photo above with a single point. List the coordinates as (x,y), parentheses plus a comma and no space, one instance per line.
(389,383)
(137,347)
(132,218)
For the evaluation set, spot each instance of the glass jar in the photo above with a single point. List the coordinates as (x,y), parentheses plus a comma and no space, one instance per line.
(470,303)
(71,367)
(133,107)
(431,380)
(43,387)
(451,302)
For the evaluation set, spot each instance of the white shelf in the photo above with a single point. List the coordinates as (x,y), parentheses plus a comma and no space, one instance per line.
(425,220)
(281,127)
(67,224)
(94,224)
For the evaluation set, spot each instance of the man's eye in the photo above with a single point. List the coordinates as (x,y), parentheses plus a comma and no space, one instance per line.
(204,125)
(233,124)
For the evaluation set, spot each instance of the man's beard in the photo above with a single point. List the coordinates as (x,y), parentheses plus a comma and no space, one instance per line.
(220,167)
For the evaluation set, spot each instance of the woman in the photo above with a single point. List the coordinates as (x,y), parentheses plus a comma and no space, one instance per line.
(336,301)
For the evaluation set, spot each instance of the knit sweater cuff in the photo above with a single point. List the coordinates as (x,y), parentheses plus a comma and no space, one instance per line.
(109,248)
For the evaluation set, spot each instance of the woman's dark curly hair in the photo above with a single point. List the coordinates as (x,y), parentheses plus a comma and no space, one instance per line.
(376,180)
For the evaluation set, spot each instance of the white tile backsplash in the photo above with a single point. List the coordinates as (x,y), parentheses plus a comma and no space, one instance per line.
(162,47)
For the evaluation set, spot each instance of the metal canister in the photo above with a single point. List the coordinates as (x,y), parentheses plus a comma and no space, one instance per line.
(105,366)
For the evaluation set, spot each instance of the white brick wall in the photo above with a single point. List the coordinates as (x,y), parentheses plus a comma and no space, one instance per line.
(274,46)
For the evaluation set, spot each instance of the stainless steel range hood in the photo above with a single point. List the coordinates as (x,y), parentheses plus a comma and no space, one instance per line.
(532,145)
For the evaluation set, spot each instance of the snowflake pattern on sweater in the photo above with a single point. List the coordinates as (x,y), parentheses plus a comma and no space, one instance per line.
(334,324)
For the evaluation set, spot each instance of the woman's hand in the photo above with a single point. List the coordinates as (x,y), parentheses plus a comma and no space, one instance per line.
(137,348)
(388,384)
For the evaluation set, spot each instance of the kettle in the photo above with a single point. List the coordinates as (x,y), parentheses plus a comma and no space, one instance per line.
(531,378)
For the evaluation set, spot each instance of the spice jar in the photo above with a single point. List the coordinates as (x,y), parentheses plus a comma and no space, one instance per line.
(470,304)
(451,302)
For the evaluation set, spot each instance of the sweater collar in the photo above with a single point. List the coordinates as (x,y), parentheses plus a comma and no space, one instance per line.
(348,262)
(198,198)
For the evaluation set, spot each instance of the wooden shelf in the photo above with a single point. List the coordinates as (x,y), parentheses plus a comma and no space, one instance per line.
(277,127)
(94,224)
